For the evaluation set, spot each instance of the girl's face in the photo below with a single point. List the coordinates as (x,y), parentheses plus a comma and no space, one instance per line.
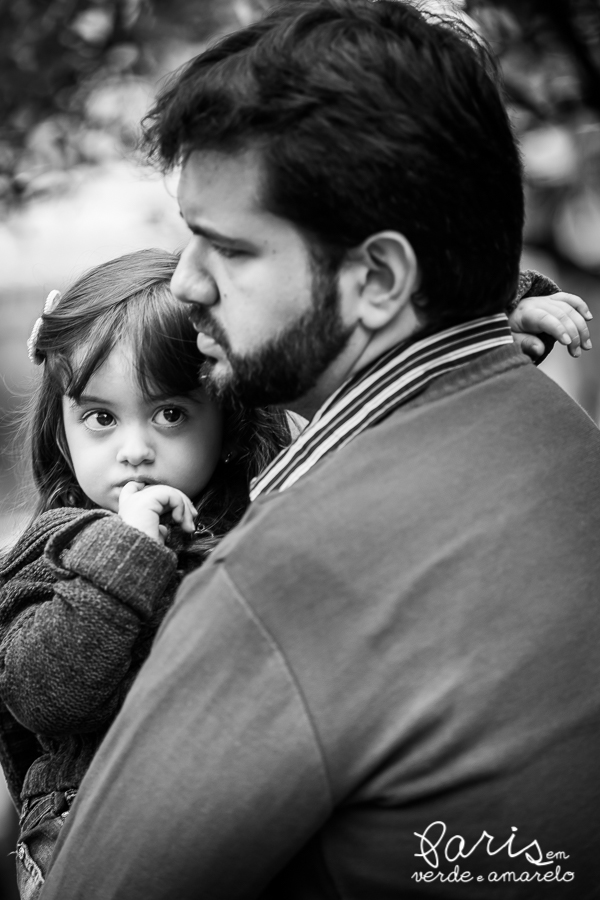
(116,435)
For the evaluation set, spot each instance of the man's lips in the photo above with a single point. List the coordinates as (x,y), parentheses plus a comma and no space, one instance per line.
(209,347)
(206,343)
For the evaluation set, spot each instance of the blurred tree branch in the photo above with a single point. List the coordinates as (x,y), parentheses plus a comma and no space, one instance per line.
(546,29)
(55,53)
(550,56)
(49,51)
(76,76)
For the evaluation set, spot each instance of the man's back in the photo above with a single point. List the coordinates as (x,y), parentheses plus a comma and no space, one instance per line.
(448,651)
(400,650)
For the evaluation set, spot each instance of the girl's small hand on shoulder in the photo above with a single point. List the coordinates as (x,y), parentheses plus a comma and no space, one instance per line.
(562,316)
(142,506)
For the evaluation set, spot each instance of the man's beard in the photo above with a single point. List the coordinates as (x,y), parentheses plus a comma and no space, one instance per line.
(289,365)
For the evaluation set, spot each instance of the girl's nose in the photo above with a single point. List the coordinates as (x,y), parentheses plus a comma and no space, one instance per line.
(135,449)
(191,283)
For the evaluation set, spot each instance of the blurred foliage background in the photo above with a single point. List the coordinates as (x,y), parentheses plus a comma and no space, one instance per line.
(76,76)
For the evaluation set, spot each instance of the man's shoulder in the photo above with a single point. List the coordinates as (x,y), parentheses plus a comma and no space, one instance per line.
(508,440)
(393,574)
(500,399)
(496,438)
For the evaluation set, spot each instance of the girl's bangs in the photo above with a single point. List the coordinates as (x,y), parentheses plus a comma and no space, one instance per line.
(156,330)
(72,371)
(163,344)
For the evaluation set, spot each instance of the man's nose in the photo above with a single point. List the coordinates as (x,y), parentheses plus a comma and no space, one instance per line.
(136,447)
(191,283)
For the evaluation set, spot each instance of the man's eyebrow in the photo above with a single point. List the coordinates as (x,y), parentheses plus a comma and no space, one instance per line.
(207,232)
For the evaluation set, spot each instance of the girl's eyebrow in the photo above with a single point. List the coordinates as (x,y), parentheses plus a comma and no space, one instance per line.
(84,399)
(87,398)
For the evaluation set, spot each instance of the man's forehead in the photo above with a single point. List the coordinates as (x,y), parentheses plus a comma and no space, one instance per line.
(213,179)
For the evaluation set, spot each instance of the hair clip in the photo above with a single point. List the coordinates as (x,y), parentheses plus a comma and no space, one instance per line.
(51,301)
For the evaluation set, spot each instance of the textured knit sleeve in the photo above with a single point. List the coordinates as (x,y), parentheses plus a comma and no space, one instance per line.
(70,622)
(534,284)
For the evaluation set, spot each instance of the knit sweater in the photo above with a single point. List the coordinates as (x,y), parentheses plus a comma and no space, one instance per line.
(81,597)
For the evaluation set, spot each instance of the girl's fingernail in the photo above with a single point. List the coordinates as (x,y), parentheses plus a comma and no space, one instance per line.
(577,352)
(587,344)
(588,315)
(565,338)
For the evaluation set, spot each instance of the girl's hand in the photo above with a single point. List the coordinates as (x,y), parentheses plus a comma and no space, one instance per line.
(142,506)
(562,316)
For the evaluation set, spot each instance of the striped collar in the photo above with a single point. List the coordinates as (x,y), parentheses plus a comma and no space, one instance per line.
(372,393)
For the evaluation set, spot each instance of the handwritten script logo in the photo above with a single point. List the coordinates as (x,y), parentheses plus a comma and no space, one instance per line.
(455,847)
(435,847)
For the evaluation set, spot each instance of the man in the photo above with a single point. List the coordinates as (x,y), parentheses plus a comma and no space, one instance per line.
(386,681)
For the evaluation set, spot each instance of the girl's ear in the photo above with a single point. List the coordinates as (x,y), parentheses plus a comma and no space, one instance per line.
(74,496)
(385,273)
(227,452)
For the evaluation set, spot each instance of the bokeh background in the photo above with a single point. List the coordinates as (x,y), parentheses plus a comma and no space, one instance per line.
(76,77)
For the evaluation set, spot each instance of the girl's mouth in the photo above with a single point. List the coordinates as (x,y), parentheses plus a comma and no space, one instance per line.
(139,479)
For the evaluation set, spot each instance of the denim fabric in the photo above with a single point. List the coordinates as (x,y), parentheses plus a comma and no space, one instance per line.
(41,821)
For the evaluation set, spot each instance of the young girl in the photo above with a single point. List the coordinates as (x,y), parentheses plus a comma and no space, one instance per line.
(118,425)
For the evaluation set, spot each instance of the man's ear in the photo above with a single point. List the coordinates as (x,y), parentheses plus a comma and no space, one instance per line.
(387,275)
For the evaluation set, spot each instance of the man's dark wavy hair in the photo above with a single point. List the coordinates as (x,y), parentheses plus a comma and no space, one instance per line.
(368,116)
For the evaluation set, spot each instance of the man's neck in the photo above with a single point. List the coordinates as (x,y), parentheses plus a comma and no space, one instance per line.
(362,349)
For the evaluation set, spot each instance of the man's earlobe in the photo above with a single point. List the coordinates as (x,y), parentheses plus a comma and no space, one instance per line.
(391,278)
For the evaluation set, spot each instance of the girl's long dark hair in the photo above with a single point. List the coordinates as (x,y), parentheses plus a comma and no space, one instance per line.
(129,298)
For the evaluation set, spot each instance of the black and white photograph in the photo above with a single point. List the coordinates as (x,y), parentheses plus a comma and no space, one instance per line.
(300,450)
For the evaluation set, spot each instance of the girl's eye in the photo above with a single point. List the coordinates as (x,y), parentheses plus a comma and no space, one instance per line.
(169,416)
(96,421)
